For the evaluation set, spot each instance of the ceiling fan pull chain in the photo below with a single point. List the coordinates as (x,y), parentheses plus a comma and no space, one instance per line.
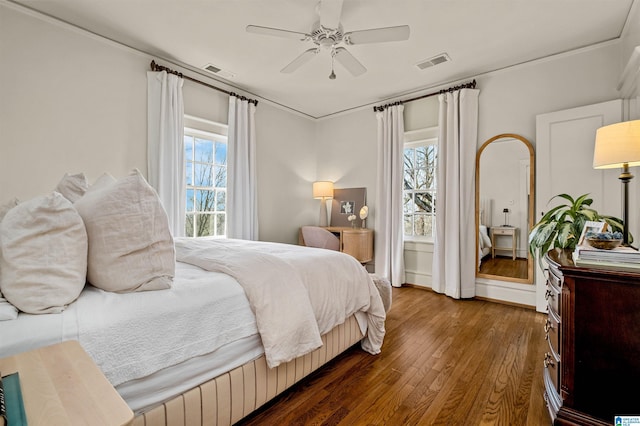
(332,76)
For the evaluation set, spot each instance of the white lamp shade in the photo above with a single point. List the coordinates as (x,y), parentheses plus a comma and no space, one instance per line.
(323,189)
(617,144)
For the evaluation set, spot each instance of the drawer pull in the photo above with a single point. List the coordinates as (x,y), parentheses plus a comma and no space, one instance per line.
(548,294)
(548,362)
(548,325)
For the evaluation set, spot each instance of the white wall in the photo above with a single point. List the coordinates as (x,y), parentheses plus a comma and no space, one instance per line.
(286,171)
(70,103)
(74,102)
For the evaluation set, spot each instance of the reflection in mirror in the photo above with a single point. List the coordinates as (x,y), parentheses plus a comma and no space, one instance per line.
(504,208)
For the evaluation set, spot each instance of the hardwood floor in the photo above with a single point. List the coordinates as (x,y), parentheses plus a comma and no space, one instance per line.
(504,266)
(444,361)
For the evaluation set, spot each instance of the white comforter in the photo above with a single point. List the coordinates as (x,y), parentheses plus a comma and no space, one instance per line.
(297,293)
(134,335)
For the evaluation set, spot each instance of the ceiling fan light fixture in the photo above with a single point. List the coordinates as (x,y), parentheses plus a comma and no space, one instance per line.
(328,33)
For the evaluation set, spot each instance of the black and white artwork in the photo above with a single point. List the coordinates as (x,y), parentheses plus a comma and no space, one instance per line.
(346,207)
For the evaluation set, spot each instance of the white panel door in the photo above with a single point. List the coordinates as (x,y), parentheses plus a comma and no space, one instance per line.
(564,164)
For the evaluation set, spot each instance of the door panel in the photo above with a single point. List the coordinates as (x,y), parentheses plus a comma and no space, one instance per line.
(564,159)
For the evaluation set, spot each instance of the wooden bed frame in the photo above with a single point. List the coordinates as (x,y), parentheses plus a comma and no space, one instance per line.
(232,396)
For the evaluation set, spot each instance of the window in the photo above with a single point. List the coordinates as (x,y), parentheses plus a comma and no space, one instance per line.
(420,165)
(206,183)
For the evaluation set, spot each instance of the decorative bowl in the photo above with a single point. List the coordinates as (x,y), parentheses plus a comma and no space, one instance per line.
(603,244)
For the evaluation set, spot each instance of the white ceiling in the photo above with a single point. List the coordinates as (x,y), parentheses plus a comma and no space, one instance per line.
(479,36)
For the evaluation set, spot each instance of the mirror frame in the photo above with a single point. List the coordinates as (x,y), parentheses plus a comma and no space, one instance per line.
(531,213)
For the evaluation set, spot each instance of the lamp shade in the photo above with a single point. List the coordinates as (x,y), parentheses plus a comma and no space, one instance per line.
(323,189)
(617,144)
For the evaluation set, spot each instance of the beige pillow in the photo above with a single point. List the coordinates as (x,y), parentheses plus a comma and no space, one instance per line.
(72,187)
(130,245)
(44,254)
(7,310)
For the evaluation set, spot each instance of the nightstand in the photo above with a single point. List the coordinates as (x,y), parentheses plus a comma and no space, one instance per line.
(508,231)
(61,385)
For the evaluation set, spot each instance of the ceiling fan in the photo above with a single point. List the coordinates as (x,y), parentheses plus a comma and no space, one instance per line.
(327,33)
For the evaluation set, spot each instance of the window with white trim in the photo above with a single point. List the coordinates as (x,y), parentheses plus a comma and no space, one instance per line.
(206,183)
(419,184)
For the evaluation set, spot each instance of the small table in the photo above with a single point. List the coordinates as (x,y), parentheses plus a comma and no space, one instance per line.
(61,385)
(507,231)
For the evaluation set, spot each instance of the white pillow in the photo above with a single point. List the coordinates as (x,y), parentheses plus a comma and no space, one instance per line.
(7,310)
(130,245)
(72,187)
(44,254)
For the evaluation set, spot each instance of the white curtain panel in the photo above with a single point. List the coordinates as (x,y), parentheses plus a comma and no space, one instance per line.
(455,240)
(389,253)
(242,191)
(165,145)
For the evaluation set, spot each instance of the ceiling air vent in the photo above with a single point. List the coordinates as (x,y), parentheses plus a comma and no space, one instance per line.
(218,71)
(438,59)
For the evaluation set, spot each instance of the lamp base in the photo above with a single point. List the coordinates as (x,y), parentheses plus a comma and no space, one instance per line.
(625,177)
(324,221)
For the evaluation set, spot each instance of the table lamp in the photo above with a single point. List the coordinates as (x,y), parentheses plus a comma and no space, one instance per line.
(323,190)
(618,145)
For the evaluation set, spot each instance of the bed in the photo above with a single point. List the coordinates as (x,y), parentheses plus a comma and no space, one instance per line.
(238,323)
(484,241)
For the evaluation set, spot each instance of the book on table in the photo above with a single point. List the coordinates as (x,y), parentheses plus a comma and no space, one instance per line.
(11,405)
(611,266)
(616,255)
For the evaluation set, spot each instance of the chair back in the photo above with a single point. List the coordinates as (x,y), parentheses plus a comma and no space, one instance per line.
(315,236)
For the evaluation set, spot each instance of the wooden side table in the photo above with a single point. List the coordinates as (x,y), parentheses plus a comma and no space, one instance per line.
(61,385)
(357,242)
(506,231)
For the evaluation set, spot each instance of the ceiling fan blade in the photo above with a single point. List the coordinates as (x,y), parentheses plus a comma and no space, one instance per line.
(349,61)
(378,35)
(330,11)
(276,32)
(300,60)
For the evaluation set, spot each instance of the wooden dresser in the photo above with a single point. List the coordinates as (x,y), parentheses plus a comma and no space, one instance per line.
(592,365)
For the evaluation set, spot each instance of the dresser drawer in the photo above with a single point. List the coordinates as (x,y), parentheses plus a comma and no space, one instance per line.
(551,396)
(503,231)
(552,334)
(554,286)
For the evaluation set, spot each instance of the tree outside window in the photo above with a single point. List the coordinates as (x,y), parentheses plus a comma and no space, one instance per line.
(420,160)
(206,184)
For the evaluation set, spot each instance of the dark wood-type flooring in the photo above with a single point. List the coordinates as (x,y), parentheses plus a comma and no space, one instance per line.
(504,267)
(444,361)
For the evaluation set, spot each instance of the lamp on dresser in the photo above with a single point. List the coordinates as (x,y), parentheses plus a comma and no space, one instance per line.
(323,190)
(618,145)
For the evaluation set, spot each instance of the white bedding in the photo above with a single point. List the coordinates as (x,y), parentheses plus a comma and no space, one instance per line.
(484,243)
(132,335)
(147,342)
(322,288)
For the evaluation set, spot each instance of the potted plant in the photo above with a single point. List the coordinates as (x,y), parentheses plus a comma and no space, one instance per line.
(562,225)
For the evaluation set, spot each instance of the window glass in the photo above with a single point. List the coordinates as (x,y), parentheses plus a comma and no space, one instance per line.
(206,182)
(420,160)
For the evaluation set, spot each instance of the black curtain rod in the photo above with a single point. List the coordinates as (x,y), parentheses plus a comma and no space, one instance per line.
(156,67)
(470,85)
